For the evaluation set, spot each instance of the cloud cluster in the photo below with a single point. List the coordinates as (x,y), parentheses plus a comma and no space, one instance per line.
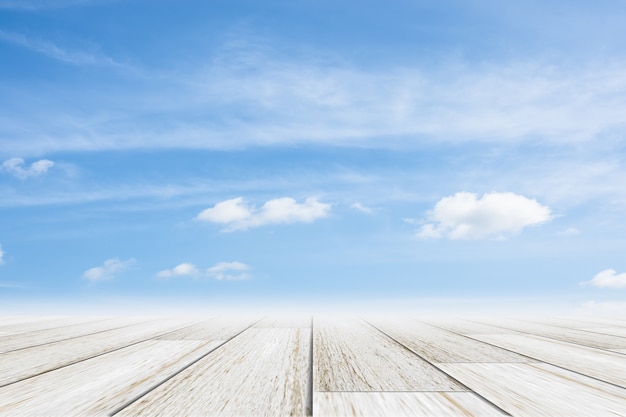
(237,214)
(231,271)
(495,215)
(108,270)
(15,166)
(608,278)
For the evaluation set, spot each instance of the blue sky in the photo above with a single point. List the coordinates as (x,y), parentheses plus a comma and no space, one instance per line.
(241,153)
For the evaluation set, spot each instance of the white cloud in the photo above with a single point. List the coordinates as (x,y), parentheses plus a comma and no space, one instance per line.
(184,269)
(608,278)
(1,255)
(109,268)
(237,214)
(360,207)
(231,271)
(495,215)
(14,166)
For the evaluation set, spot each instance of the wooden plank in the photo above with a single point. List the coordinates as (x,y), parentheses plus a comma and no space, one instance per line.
(579,322)
(538,389)
(615,331)
(401,404)
(211,329)
(438,345)
(602,364)
(262,372)
(591,338)
(98,386)
(42,323)
(25,363)
(466,327)
(41,337)
(303,322)
(351,355)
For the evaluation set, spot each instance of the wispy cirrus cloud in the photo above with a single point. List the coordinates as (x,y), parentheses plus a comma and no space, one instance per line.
(57,52)
(180,270)
(238,214)
(107,270)
(494,215)
(15,166)
(1,255)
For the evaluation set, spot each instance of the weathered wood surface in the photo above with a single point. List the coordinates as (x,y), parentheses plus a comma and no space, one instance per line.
(602,364)
(261,372)
(539,389)
(25,363)
(402,404)
(354,356)
(13,326)
(438,345)
(279,366)
(42,337)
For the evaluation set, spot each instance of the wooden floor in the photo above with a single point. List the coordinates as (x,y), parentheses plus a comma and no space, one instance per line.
(235,366)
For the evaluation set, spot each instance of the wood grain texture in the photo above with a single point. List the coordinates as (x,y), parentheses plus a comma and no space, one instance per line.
(438,345)
(41,337)
(262,372)
(615,331)
(351,355)
(466,327)
(591,338)
(25,363)
(17,326)
(602,364)
(303,322)
(98,386)
(212,329)
(402,404)
(538,389)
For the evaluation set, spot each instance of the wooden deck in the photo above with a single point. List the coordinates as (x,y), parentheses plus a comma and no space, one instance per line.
(255,366)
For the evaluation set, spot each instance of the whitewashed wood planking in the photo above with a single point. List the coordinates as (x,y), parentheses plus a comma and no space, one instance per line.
(602,364)
(211,329)
(402,404)
(280,321)
(261,372)
(40,337)
(539,389)
(98,386)
(466,327)
(438,345)
(614,331)
(351,355)
(25,363)
(41,323)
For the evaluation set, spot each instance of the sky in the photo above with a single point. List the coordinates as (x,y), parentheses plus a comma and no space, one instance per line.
(416,155)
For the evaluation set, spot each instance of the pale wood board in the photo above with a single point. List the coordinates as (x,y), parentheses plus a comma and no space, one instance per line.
(212,329)
(24,363)
(466,327)
(602,364)
(350,355)
(538,389)
(96,387)
(438,345)
(41,337)
(401,404)
(579,322)
(261,372)
(303,322)
(615,331)
(592,337)
(42,323)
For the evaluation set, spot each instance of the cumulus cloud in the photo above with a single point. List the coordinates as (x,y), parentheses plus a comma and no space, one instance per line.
(608,278)
(109,268)
(15,166)
(495,215)
(233,271)
(237,214)
(184,269)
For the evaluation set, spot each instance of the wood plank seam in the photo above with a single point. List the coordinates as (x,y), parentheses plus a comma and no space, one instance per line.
(158,384)
(309,388)
(441,370)
(555,338)
(75,337)
(95,356)
(557,366)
